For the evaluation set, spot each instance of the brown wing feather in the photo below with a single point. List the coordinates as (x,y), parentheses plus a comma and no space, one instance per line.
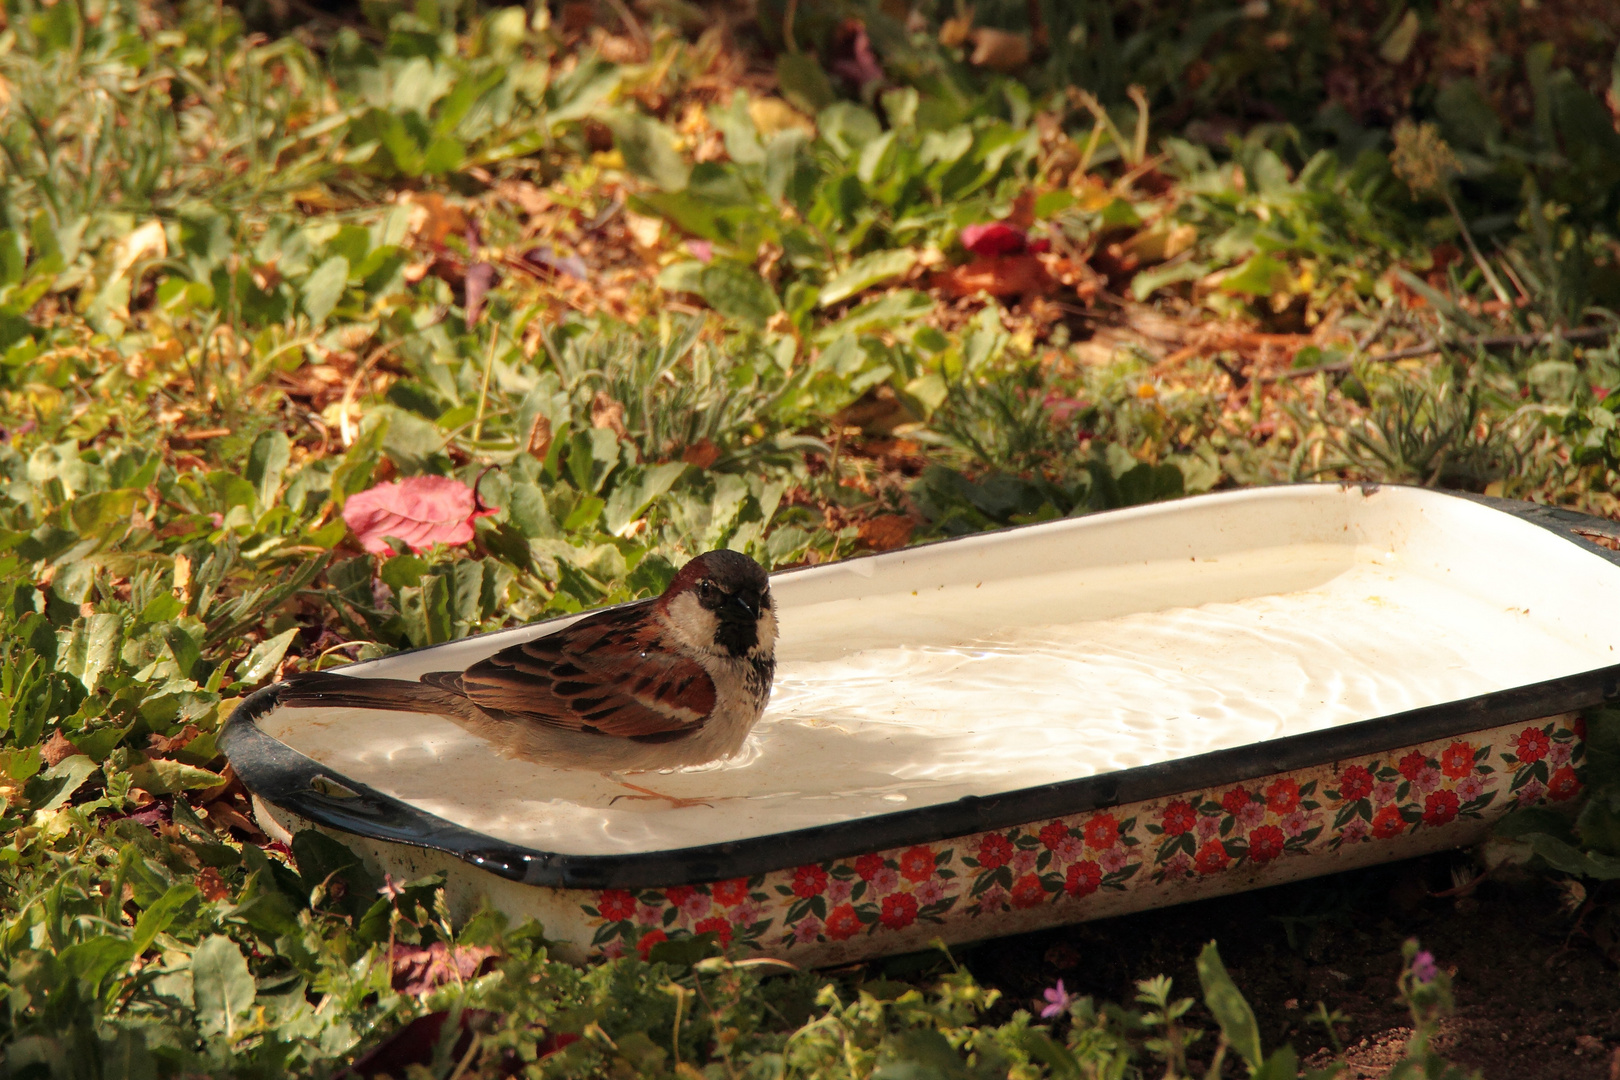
(577,679)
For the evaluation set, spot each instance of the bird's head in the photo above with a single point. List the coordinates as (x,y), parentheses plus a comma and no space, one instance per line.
(721,602)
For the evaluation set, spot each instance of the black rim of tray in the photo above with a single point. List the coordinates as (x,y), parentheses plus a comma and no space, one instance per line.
(296,783)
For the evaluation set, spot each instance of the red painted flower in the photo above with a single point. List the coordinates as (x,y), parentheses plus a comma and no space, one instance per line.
(1388,823)
(994,851)
(1412,764)
(867,866)
(1211,858)
(809,881)
(1083,878)
(1054,834)
(899,911)
(1028,891)
(917,864)
(1355,783)
(1235,800)
(717,925)
(1578,726)
(1531,745)
(678,894)
(1457,760)
(1101,832)
(727,893)
(842,923)
(616,904)
(1265,843)
(648,940)
(1440,807)
(1179,816)
(1563,784)
(1282,797)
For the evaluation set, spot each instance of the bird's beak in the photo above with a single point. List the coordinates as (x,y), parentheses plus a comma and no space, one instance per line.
(748,603)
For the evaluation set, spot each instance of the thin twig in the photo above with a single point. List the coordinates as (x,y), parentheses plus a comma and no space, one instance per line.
(1583,335)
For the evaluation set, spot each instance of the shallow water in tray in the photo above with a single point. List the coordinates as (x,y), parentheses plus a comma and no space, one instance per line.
(1047,696)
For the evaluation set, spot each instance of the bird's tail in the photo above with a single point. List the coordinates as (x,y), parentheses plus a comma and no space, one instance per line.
(327,690)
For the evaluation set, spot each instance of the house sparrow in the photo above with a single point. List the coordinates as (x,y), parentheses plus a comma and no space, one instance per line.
(677,680)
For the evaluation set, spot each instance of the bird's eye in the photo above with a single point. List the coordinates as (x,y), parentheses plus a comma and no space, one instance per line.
(705,589)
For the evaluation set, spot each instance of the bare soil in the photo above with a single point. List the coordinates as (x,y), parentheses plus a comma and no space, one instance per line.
(1537,998)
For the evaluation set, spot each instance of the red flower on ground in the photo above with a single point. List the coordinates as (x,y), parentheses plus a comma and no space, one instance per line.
(995,851)
(1028,891)
(1457,760)
(1388,823)
(648,940)
(1412,765)
(1212,857)
(1355,783)
(1282,797)
(1083,878)
(616,904)
(716,925)
(727,893)
(1440,807)
(1179,816)
(809,881)
(1531,745)
(1563,784)
(1265,843)
(678,894)
(1235,800)
(1101,832)
(867,866)
(1054,834)
(917,864)
(842,923)
(899,911)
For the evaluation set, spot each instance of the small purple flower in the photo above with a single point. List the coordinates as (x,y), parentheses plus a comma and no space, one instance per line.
(994,899)
(1071,849)
(1112,861)
(931,891)
(1295,824)
(391,889)
(701,250)
(1208,826)
(885,881)
(647,915)
(806,930)
(1058,1001)
(612,950)
(1355,831)
(1022,863)
(1470,788)
(1178,866)
(1531,793)
(696,906)
(1427,780)
(1559,753)
(1424,969)
(1252,814)
(745,914)
(1384,792)
(838,890)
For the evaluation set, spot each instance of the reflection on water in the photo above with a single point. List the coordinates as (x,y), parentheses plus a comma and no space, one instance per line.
(939,714)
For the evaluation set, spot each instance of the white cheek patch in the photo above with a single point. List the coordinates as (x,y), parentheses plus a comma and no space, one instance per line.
(693,624)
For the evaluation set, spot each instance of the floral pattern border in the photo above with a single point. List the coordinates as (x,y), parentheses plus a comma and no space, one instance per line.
(997,879)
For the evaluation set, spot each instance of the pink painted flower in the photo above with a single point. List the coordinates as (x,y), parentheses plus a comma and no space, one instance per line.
(1296,823)
(1113,860)
(1354,831)
(1412,764)
(807,930)
(745,914)
(929,892)
(993,899)
(839,890)
(1053,835)
(867,865)
(1470,788)
(612,950)
(1560,753)
(1023,862)
(1178,866)
(1427,779)
(1384,792)
(1251,815)
(1531,793)
(1208,826)
(1235,800)
(696,906)
(1071,849)
(647,915)
(884,882)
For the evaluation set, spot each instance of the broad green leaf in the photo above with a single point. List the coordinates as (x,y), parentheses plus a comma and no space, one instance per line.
(161,776)
(631,499)
(68,775)
(324,288)
(803,82)
(267,462)
(649,149)
(1230,1009)
(86,650)
(222,985)
(262,659)
(156,918)
(864,273)
(737,291)
(1261,275)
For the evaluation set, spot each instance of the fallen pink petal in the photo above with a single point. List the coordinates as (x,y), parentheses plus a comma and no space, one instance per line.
(419,510)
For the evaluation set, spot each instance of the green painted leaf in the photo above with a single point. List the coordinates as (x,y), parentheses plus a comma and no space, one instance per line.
(222,985)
